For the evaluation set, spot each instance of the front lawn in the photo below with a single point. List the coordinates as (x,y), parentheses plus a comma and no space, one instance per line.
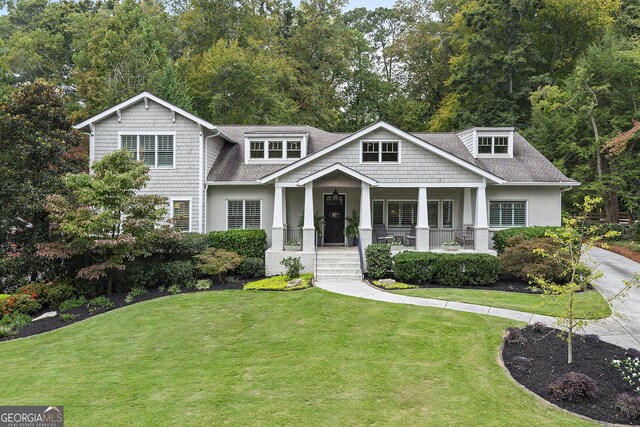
(273,358)
(589,303)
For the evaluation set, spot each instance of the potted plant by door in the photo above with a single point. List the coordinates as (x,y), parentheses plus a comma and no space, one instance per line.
(292,245)
(318,222)
(353,224)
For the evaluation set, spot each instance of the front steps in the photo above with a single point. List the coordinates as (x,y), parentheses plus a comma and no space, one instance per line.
(338,265)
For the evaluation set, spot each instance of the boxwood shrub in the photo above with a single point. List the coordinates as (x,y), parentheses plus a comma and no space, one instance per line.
(379,261)
(446,269)
(246,243)
(500,238)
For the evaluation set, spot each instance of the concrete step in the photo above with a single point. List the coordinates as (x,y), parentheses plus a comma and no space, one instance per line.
(339,277)
(330,271)
(339,264)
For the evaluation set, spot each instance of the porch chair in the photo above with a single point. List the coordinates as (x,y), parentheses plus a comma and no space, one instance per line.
(381,235)
(465,237)
(410,237)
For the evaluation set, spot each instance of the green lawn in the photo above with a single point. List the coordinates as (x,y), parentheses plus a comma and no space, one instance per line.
(273,358)
(590,304)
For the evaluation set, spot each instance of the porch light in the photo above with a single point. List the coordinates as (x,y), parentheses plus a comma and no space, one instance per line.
(335,197)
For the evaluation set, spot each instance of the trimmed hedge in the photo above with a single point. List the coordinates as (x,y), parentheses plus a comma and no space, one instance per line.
(246,243)
(379,261)
(500,238)
(446,269)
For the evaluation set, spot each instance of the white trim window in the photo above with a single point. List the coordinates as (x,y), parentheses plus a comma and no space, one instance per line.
(493,145)
(507,213)
(181,214)
(244,214)
(155,150)
(402,213)
(281,149)
(440,214)
(380,151)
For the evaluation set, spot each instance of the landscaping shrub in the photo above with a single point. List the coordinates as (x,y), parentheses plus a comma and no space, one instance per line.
(3,296)
(72,303)
(246,243)
(19,303)
(59,292)
(293,266)
(12,323)
(38,291)
(501,237)
(379,261)
(538,327)
(178,273)
(628,406)
(522,364)
(217,262)
(392,286)
(251,268)
(99,304)
(514,336)
(185,245)
(519,259)
(574,387)
(133,293)
(202,285)
(279,283)
(446,269)
(629,369)
(174,290)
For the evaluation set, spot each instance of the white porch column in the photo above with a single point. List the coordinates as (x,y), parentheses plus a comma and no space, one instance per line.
(481,226)
(422,225)
(308,229)
(365,215)
(277,235)
(284,207)
(467,220)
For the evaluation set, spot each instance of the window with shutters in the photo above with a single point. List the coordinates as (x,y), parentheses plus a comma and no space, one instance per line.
(156,151)
(181,214)
(507,213)
(244,214)
(402,213)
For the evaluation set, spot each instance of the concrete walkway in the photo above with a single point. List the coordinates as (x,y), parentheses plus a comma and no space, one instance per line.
(623,331)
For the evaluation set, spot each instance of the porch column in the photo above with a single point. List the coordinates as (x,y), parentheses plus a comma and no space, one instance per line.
(365,215)
(277,235)
(467,220)
(308,229)
(284,208)
(481,226)
(422,225)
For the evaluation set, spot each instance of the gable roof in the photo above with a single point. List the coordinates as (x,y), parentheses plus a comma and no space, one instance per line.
(337,167)
(394,130)
(140,97)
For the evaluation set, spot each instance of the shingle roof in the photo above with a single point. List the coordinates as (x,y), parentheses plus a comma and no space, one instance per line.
(526,165)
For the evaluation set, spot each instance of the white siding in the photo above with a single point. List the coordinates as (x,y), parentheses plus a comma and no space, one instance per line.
(218,195)
(467,139)
(180,182)
(417,164)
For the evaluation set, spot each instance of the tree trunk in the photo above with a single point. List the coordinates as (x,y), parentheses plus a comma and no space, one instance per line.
(599,173)
(109,285)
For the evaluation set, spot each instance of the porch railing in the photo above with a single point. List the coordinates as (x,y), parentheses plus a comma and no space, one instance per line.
(397,237)
(463,237)
(292,237)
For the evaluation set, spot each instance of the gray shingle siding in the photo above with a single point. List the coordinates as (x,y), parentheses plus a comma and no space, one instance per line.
(180,182)
(417,164)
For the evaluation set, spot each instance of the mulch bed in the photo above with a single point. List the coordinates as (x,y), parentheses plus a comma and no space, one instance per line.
(591,356)
(625,252)
(51,323)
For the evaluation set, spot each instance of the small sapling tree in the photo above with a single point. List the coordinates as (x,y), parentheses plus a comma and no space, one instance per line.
(573,240)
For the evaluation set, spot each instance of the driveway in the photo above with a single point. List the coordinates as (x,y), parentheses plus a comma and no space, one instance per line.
(623,328)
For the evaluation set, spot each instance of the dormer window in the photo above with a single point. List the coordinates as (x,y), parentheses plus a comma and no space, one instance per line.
(493,145)
(275,149)
(380,151)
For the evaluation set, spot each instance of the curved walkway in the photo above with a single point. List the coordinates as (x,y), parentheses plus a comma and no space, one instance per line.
(623,331)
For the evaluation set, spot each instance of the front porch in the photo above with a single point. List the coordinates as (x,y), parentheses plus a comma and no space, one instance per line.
(333,209)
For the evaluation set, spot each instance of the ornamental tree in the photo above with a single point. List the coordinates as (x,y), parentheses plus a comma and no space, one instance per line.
(573,240)
(104,217)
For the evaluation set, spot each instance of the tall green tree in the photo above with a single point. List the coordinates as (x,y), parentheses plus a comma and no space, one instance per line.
(572,122)
(37,148)
(104,218)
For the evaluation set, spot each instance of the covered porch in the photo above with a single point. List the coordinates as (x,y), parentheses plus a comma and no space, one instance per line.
(318,210)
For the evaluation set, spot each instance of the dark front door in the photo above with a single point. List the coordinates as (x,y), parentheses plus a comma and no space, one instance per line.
(334,219)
